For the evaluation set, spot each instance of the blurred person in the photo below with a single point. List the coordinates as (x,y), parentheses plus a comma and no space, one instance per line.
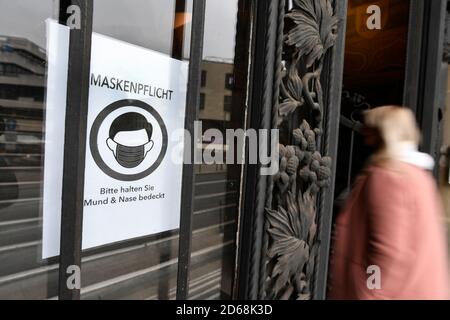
(393,219)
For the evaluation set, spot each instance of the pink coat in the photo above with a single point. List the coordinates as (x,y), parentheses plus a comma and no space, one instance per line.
(394,220)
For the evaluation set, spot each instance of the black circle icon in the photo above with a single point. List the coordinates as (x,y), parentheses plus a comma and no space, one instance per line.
(93,139)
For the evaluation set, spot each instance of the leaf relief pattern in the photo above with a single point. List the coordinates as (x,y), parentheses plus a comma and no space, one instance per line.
(310,31)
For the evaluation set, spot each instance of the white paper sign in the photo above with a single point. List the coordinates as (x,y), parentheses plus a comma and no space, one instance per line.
(132,187)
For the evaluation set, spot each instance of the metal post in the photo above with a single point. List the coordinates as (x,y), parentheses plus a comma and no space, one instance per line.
(333,72)
(431,76)
(187,190)
(75,143)
(261,89)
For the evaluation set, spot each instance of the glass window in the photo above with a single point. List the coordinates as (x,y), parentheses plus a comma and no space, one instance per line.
(203,79)
(150,24)
(229,81)
(23,274)
(227,103)
(202,101)
(146,267)
(140,268)
(217,192)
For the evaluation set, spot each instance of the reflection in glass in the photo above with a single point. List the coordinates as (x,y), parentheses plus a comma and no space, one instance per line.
(23,275)
(217,186)
(163,26)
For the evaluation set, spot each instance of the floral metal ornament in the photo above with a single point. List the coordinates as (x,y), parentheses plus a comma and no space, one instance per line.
(315,29)
(311,30)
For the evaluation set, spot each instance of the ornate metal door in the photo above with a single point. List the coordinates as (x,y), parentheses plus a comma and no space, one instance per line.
(297,74)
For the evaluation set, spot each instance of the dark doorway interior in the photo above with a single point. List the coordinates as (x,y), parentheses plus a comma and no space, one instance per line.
(374,75)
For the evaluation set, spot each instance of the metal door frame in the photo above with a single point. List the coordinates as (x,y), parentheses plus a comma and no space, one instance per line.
(427,70)
(265,77)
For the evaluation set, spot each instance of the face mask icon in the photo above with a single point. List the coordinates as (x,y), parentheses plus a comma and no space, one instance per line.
(130,139)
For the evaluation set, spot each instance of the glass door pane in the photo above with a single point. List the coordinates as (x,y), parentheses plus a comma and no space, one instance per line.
(217,188)
(23,68)
(144,267)
(374,75)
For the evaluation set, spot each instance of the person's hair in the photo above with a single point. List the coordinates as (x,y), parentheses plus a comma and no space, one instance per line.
(395,125)
(131,121)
